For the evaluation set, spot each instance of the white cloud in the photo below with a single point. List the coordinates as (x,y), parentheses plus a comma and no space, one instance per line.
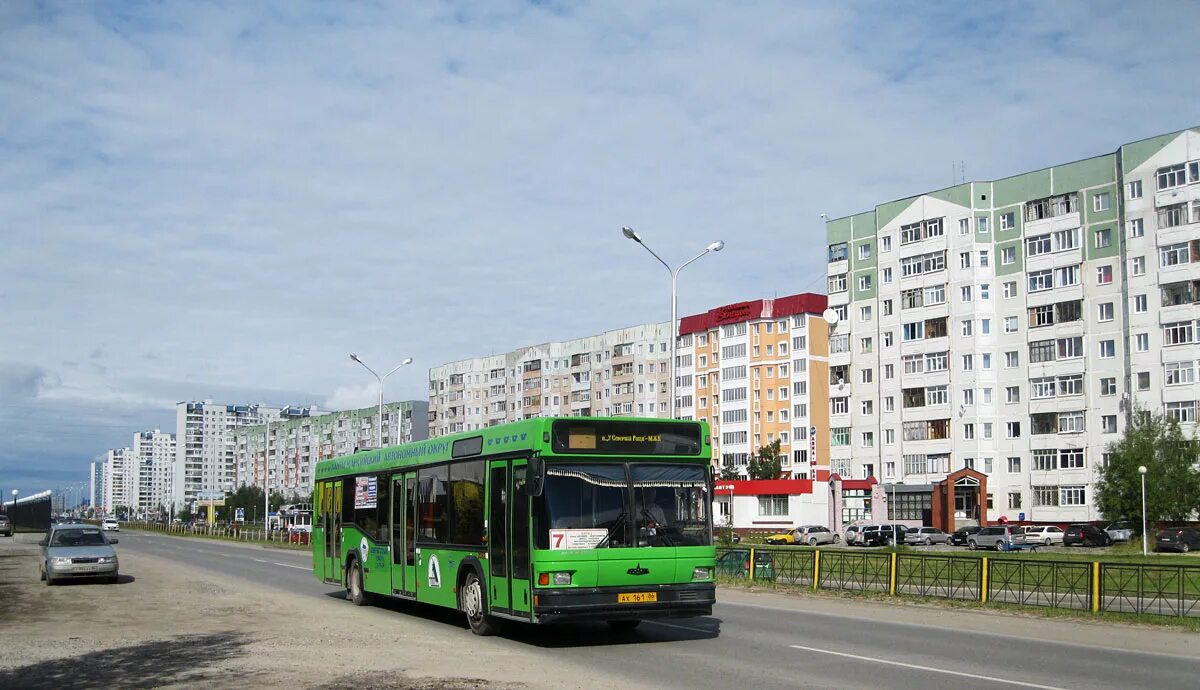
(352,396)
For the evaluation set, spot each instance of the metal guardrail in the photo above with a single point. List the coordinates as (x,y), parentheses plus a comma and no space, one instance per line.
(222,532)
(1151,589)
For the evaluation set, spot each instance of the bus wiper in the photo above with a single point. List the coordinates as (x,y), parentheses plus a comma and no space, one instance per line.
(619,521)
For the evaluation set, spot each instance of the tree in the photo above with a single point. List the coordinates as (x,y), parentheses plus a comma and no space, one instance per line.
(1172,479)
(766,465)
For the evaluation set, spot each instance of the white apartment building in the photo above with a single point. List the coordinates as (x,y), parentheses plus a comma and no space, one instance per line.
(622,372)
(154,460)
(1002,327)
(291,447)
(752,371)
(120,480)
(204,450)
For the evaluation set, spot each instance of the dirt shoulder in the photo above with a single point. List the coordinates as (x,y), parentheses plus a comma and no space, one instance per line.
(164,625)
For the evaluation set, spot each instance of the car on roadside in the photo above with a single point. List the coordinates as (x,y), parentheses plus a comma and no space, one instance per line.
(1182,539)
(736,563)
(810,535)
(853,535)
(959,536)
(1047,535)
(6,527)
(111,525)
(1121,530)
(926,535)
(78,551)
(1086,535)
(998,537)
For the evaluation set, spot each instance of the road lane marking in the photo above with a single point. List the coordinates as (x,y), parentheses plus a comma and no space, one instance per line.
(297,567)
(930,669)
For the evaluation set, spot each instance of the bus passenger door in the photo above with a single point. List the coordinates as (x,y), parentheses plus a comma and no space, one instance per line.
(333,530)
(404,570)
(497,535)
(518,542)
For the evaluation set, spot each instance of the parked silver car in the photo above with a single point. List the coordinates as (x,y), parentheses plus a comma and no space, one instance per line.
(74,551)
(1121,530)
(813,535)
(1044,534)
(926,536)
(996,537)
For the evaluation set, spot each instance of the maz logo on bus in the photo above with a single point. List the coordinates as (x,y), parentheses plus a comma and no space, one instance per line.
(638,570)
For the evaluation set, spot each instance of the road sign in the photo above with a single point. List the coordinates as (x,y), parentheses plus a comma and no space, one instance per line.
(239,514)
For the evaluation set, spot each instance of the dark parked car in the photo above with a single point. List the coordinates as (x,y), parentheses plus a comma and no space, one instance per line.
(6,527)
(883,535)
(1177,539)
(959,536)
(736,563)
(1086,535)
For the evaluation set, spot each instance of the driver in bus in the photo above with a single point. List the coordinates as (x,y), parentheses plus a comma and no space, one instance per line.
(654,513)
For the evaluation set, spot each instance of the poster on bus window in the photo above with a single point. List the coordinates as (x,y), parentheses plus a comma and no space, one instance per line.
(576,538)
(364,492)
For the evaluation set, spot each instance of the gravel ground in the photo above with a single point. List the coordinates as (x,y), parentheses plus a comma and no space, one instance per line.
(164,625)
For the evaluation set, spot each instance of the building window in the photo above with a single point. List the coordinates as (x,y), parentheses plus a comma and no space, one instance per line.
(1142,342)
(964,226)
(983,225)
(1008,255)
(864,283)
(1103,275)
(1013,430)
(1172,176)
(1137,228)
(1071,496)
(1014,465)
(1179,373)
(1108,423)
(1103,238)
(1134,189)
(1140,304)
(887,275)
(864,251)
(1008,220)
(964,260)
(1013,394)
(1108,349)
(1108,386)
(983,257)
(773,506)
(1101,202)
(885,243)
(1182,412)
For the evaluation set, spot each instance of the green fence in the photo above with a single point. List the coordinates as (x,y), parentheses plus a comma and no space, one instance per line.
(1163,590)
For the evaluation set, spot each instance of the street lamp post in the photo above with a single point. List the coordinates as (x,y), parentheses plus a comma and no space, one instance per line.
(381,379)
(1142,471)
(714,247)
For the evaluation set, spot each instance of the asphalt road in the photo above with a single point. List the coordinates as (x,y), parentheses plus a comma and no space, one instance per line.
(763,642)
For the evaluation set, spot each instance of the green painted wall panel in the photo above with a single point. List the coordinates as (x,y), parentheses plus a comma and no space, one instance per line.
(1015,267)
(1114,244)
(1021,188)
(864,225)
(1087,201)
(958,194)
(886,213)
(869,262)
(837,231)
(1085,173)
(870,292)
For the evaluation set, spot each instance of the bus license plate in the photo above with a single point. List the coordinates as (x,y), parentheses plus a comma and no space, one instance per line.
(637,597)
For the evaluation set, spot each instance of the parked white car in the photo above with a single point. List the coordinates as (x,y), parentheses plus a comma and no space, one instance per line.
(111,525)
(1043,534)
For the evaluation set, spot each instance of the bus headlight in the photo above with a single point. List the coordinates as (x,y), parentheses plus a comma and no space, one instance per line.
(702,573)
(562,578)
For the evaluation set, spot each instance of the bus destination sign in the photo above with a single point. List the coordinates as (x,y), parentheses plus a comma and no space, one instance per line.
(626,438)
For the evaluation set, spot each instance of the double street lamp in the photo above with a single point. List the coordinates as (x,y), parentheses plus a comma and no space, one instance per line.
(714,247)
(381,379)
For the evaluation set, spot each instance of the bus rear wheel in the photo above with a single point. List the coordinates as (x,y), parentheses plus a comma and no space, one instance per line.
(472,604)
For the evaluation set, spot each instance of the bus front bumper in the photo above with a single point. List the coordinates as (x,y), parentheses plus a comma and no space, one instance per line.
(603,603)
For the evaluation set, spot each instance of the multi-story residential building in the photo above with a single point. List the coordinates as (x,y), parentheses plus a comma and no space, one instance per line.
(120,480)
(617,373)
(96,483)
(1003,326)
(154,459)
(204,457)
(303,436)
(758,372)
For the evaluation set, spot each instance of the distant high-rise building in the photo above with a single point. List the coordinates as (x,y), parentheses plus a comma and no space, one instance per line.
(303,437)
(204,451)
(154,459)
(96,497)
(120,480)
(617,373)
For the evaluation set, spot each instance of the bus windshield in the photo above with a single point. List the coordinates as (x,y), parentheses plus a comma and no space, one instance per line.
(625,505)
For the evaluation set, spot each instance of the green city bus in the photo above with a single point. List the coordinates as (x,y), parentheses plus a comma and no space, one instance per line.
(540,521)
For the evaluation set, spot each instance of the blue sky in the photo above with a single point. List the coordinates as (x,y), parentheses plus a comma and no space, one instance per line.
(223,200)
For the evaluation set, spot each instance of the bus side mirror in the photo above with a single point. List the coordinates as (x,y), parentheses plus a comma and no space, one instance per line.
(537,476)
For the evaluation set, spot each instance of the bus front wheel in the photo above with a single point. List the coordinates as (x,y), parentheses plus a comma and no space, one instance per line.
(354,587)
(472,604)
